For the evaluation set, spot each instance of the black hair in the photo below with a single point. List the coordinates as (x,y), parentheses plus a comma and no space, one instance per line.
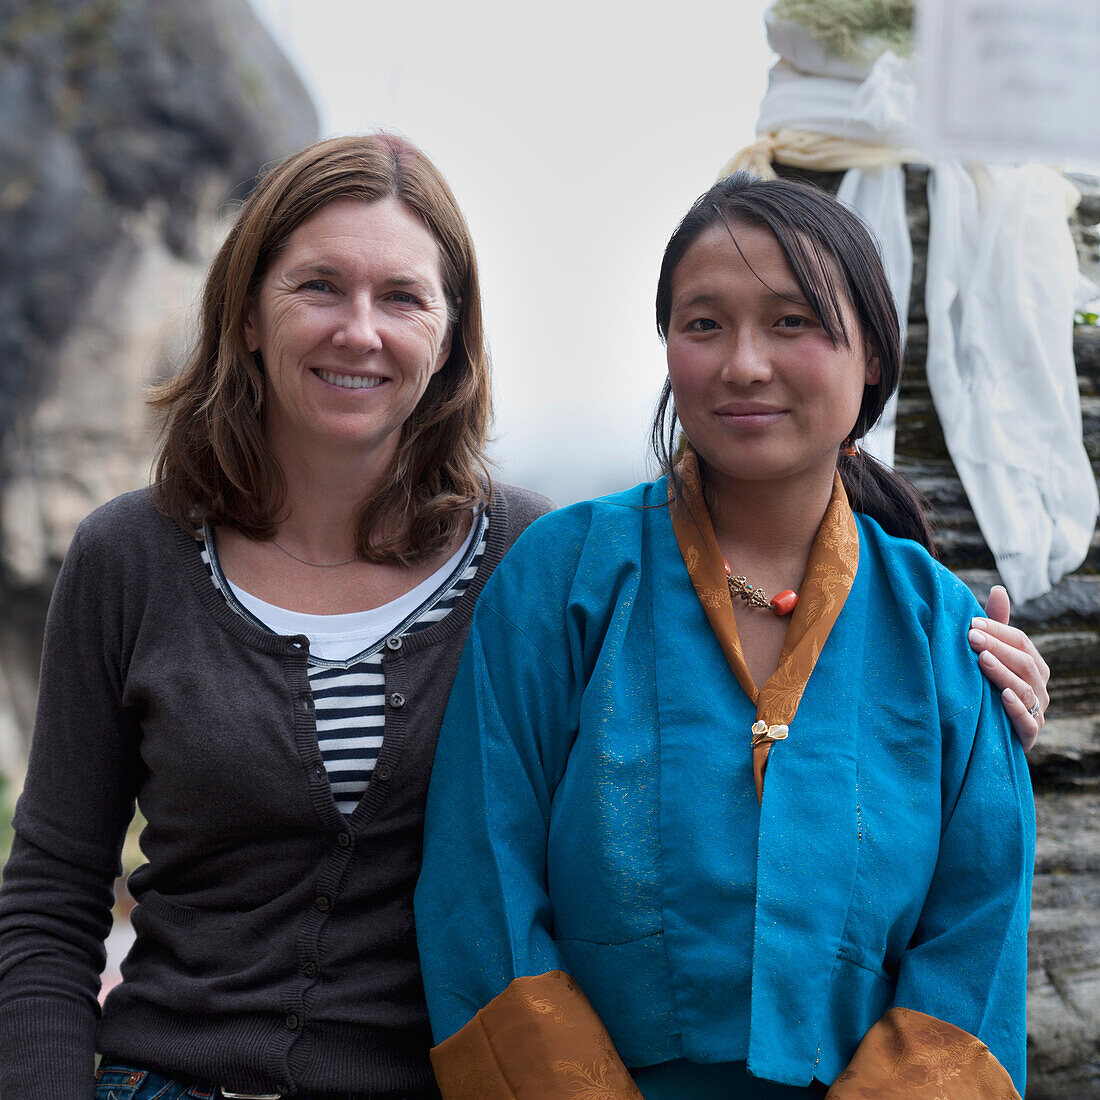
(833,258)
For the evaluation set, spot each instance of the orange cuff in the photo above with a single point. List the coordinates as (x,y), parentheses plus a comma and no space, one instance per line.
(917,1057)
(539,1040)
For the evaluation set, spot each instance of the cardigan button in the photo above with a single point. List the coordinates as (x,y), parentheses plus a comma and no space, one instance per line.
(309,970)
(393,643)
(384,772)
(343,839)
(292,1022)
(322,903)
(397,699)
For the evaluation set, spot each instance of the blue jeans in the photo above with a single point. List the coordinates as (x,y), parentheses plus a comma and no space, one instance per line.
(116,1081)
(120,1081)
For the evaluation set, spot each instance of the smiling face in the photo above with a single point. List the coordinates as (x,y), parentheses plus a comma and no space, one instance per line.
(760,390)
(351,324)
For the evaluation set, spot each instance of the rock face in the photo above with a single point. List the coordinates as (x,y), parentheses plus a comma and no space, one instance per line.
(124,127)
(1064,943)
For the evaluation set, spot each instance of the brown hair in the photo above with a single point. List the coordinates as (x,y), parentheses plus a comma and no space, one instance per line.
(213,464)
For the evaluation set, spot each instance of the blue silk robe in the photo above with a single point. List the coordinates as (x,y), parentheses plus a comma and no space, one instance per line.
(592,810)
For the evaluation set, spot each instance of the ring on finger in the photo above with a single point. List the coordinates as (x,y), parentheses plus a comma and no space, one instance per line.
(1035,710)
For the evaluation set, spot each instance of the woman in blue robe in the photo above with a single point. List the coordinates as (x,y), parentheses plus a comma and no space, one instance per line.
(687,840)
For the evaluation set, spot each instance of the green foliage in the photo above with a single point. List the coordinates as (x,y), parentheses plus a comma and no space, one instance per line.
(132,855)
(1086,317)
(856,29)
(80,27)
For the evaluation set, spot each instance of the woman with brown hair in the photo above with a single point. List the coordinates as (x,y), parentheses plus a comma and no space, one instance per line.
(259,651)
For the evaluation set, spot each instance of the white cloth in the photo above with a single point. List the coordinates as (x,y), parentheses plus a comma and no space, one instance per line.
(877,196)
(1001,280)
(999,298)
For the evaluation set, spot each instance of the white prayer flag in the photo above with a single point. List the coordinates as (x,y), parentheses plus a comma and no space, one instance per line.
(1009,79)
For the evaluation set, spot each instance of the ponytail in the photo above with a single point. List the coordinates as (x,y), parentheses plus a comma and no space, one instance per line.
(886,497)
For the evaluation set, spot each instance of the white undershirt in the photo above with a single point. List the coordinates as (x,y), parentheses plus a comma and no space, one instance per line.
(340,637)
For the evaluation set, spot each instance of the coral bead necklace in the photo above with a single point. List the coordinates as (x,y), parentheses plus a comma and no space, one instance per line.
(783,603)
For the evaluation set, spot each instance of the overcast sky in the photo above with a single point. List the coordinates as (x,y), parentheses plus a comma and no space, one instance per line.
(574,134)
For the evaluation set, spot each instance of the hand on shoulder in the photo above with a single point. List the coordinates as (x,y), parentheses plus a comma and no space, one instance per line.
(1014,666)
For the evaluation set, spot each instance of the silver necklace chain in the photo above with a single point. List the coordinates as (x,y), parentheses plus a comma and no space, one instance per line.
(315,564)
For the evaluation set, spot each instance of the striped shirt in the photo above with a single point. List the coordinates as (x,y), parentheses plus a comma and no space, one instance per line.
(345,665)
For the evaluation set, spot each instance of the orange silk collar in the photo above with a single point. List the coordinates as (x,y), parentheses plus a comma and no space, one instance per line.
(828,580)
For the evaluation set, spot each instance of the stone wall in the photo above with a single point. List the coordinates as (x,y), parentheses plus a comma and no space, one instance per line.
(124,127)
(1064,970)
